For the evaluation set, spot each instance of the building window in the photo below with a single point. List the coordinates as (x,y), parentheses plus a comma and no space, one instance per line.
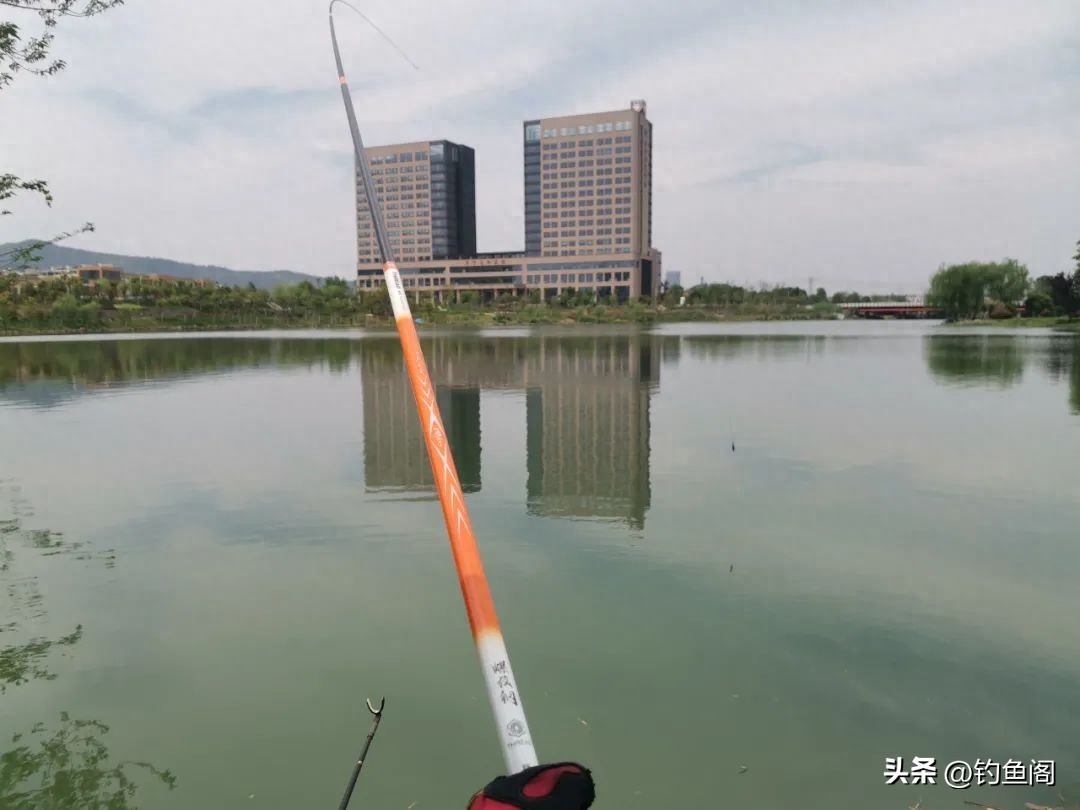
(532,132)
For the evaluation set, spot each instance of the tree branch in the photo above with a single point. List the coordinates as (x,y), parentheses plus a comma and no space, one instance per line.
(16,56)
(10,185)
(22,257)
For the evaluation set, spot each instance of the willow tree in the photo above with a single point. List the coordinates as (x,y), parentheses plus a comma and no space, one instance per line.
(963,291)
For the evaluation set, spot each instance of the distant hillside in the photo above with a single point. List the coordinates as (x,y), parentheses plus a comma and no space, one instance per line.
(58,256)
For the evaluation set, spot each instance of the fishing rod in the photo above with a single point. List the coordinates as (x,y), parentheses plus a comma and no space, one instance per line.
(506,704)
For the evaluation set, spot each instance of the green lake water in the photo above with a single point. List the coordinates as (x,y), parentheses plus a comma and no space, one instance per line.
(216,547)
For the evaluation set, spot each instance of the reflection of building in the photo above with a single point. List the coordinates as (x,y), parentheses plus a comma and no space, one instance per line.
(394,453)
(587,418)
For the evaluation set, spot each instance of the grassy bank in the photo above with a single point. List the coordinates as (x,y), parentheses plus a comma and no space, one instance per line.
(1061,324)
(66,305)
(92,319)
(464,316)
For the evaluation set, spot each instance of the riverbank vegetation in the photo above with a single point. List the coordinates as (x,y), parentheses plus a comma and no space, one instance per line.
(972,293)
(48,305)
(1002,291)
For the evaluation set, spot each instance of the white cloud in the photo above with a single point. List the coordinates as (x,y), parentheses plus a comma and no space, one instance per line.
(845,141)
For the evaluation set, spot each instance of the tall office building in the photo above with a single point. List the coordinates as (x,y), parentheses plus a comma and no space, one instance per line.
(588,214)
(427,191)
(588,184)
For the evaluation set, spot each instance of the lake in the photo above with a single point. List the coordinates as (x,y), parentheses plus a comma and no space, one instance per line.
(736,565)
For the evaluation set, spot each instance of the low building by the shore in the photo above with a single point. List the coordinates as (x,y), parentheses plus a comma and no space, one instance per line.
(92,274)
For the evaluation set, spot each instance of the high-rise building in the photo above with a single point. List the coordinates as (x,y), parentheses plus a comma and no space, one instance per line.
(588,184)
(588,215)
(427,191)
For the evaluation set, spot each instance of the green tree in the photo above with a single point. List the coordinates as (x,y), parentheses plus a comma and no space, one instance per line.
(1074,291)
(1008,282)
(1039,303)
(1059,289)
(32,54)
(377,301)
(962,290)
(672,295)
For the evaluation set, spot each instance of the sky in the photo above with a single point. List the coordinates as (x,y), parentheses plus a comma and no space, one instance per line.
(857,145)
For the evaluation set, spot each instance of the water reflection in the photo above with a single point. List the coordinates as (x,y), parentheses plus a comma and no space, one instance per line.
(1074,383)
(70,766)
(975,359)
(47,374)
(586,395)
(999,360)
(822,512)
(67,765)
(761,347)
(23,602)
(586,417)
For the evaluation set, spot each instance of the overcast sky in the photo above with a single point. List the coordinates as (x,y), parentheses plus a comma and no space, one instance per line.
(858,143)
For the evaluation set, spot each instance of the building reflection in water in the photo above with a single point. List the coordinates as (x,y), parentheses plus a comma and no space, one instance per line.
(586,418)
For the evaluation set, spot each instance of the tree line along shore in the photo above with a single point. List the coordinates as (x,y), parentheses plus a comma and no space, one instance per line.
(999,293)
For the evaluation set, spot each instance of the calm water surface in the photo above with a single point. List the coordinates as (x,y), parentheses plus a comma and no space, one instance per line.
(216,547)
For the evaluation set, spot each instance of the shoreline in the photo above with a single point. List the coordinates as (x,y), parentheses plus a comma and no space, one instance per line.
(1057,324)
(488,319)
(529,316)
